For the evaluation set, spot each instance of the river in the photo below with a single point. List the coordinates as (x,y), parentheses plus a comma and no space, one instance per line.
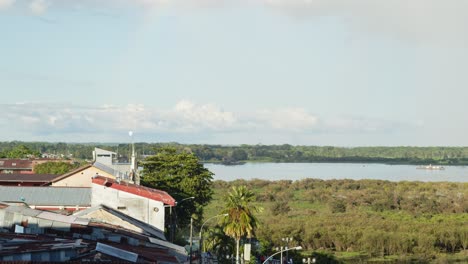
(327,171)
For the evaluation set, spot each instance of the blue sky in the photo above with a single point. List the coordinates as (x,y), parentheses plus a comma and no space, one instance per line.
(302,72)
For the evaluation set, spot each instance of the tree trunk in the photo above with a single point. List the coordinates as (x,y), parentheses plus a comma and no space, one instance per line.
(237,251)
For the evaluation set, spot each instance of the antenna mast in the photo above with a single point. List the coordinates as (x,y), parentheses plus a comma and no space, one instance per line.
(133,167)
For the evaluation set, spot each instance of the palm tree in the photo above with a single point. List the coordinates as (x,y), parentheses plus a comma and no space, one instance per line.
(240,220)
(219,243)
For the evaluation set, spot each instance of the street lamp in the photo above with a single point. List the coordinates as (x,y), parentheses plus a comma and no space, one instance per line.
(172,218)
(287,240)
(191,232)
(308,260)
(283,250)
(201,229)
(191,197)
(281,255)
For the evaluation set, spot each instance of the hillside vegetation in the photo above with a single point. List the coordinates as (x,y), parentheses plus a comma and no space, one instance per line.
(361,220)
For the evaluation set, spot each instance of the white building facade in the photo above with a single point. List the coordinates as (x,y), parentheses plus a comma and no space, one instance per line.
(142,203)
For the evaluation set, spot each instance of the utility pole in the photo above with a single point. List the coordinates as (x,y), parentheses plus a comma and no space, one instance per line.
(133,163)
(191,233)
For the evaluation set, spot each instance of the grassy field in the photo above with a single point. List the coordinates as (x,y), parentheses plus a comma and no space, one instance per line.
(361,221)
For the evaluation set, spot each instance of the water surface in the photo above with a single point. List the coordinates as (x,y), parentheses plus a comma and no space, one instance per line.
(327,171)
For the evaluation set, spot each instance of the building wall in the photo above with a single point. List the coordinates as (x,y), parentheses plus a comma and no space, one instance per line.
(20,171)
(141,208)
(104,156)
(82,178)
(5,183)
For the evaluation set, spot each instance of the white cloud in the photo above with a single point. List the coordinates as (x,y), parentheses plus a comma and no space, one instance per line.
(185,120)
(39,7)
(288,119)
(191,116)
(431,20)
(5,4)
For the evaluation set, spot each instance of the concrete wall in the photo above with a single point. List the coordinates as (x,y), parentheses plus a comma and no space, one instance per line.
(141,208)
(82,178)
(104,156)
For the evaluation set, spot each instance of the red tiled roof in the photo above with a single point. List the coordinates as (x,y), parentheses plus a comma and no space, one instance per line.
(139,190)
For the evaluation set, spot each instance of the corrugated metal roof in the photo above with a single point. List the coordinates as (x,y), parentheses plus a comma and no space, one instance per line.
(58,196)
(18,177)
(168,245)
(23,210)
(44,218)
(44,239)
(148,229)
(16,164)
(70,219)
(117,252)
(114,171)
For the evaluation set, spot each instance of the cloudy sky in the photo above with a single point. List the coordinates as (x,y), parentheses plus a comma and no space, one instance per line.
(303,72)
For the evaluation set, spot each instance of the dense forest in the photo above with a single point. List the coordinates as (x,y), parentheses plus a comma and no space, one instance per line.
(360,221)
(263,153)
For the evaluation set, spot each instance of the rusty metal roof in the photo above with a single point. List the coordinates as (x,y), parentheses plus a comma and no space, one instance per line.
(80,240)
(103,209)
(139,190)
(22,178)
(16,164)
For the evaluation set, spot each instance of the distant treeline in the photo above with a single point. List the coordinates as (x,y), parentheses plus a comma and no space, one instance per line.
(265,153)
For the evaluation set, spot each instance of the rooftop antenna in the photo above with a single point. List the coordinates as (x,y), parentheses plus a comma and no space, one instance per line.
(133,170)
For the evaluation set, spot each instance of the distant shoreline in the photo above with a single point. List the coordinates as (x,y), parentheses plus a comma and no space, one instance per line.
(243,162)
(238,154)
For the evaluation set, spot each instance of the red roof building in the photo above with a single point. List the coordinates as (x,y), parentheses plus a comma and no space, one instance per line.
(139,190)
(19,166)
(142,203)
(24,166)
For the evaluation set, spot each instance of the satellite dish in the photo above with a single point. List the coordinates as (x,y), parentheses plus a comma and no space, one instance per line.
(130,133)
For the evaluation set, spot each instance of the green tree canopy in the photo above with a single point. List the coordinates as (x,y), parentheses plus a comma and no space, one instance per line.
(21,152)
(239,154)
(54,167)
(241,220)
(181,175)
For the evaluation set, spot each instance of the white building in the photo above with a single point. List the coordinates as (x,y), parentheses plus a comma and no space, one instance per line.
(142,203)
(108,162)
